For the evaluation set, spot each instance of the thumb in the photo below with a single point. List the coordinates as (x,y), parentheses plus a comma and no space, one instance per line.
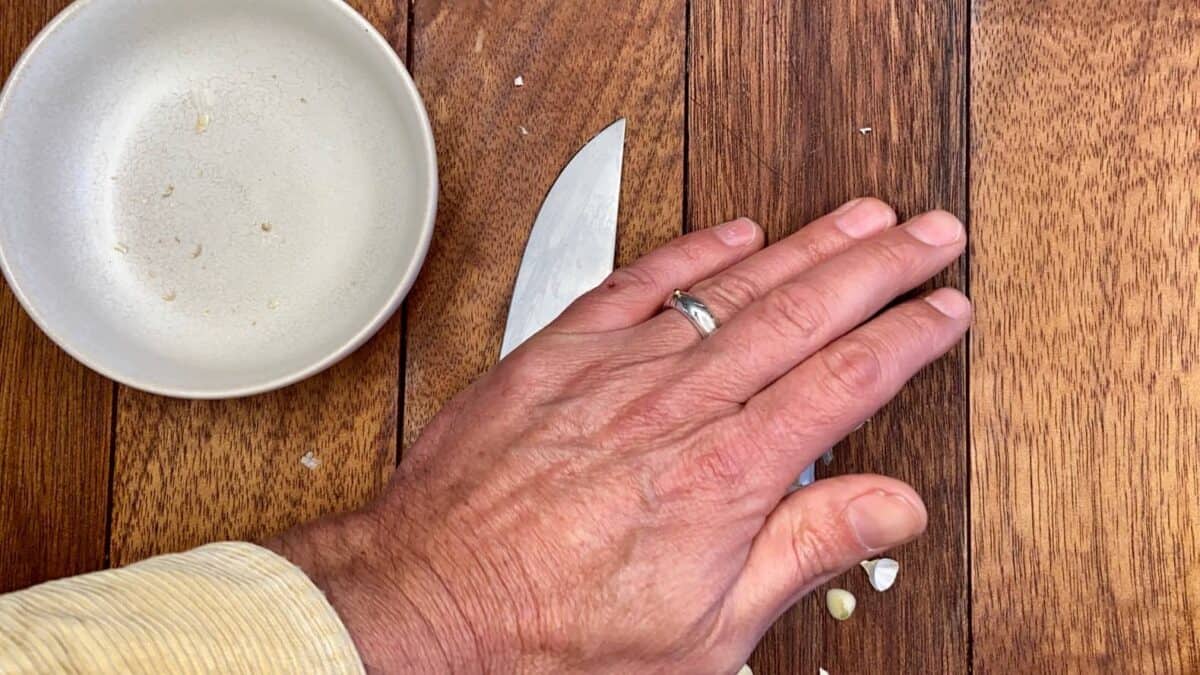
(817,533)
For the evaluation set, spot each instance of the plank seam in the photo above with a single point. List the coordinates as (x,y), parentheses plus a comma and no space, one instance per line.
(110,503)
(686,225)
(402,375)
(968,525)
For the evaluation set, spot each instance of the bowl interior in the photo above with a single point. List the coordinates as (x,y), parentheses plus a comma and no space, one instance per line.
(212,198)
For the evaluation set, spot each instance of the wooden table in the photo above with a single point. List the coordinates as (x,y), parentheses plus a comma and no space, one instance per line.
(1057,449)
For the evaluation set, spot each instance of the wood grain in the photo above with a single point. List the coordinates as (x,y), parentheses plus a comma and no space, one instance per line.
(583,67)
(779,93)
(187,473)
(54,418)
(1085,393)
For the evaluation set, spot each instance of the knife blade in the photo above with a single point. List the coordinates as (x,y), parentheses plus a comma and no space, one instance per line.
(574,238)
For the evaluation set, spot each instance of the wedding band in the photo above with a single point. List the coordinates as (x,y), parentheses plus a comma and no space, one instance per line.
(696,312)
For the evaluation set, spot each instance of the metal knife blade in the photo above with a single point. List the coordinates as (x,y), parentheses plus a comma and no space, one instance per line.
(574,238)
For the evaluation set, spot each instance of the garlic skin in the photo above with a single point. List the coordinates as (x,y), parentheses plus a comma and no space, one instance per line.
(881,572)
(840,603)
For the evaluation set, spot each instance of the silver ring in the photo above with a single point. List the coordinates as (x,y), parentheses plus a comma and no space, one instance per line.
(696,312)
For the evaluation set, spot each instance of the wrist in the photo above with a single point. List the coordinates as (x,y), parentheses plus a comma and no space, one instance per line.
(395,606)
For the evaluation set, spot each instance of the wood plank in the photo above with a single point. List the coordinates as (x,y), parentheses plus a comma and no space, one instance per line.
(779,93)
(1085,393)
(55,418)
(192,472)
(583,67)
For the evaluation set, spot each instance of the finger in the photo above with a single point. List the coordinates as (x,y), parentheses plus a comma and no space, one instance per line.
(634,293)
(818,533)
(795,320)
(728,292)
(825,398)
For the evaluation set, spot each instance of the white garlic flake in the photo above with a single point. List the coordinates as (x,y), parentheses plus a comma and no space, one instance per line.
(881,572)
(840,603)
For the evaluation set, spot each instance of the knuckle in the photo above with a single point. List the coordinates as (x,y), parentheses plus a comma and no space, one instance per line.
(712,466)
(692,250)
(918,324)
(721,465)
(894,258)
(812,250)
(632,279)
(815,546)
(731,290)
(853,368)
(797,311)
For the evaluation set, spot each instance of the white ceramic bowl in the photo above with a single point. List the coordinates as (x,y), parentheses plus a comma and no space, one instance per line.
(212,199)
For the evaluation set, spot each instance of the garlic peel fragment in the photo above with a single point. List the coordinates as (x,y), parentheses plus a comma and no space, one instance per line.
(881,572)
(840,603)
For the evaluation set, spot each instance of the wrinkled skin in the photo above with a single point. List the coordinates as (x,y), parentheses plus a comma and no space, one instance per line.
(613,497)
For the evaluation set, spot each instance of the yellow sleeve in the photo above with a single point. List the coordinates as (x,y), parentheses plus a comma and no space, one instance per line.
(222,608)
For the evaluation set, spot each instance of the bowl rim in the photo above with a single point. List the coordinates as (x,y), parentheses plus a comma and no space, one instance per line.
(426,220)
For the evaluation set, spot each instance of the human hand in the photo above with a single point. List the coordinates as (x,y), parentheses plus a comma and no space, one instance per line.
(613,496)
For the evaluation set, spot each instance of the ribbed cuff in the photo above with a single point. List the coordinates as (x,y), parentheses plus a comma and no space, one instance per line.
(230,607)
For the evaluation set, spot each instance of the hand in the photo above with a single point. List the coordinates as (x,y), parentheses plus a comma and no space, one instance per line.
(613,496)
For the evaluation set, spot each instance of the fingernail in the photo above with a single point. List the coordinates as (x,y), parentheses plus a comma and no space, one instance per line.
(737,233)
(862,218)
(936,229)
(949,302)
(882,520)
(847,206)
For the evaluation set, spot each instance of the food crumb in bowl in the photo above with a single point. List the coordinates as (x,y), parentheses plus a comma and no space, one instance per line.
(303,100)
(265,226)
(121,248)
(202,121)
(169,296)
(168,192)
(273,304)
(197,251)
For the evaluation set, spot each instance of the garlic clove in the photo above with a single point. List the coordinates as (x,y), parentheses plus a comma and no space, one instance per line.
(840,603)
(881,572)
(823,671)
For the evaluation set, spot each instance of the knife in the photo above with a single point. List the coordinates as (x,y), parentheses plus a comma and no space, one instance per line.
(573,243)
(574,239)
